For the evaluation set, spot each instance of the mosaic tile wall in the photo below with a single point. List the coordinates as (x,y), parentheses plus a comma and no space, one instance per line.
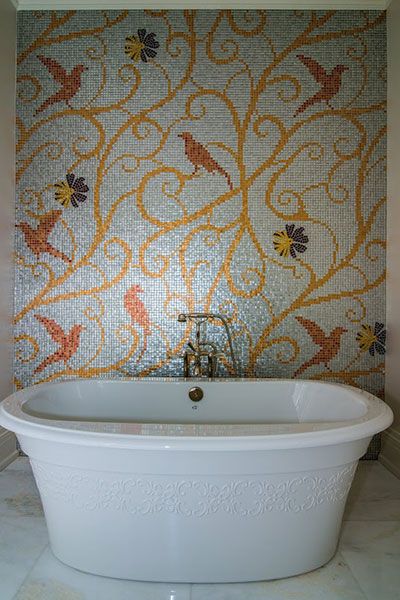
(179,161)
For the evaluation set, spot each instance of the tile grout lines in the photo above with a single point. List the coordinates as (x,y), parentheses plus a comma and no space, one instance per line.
(29,572)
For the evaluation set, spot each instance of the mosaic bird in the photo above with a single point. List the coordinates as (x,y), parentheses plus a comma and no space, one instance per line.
(329,344)
(37,239)
(68,342)
(199,156)
(136,308)
(330,82)
(70,82)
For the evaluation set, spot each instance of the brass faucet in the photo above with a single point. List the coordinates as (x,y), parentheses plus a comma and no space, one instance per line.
(203,350)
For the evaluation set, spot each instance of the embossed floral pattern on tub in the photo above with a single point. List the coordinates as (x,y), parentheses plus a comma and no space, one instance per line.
(71,191)
(194,497)
(142,46)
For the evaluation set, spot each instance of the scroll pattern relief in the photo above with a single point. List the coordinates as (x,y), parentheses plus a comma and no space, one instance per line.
(224,161)
(193,497)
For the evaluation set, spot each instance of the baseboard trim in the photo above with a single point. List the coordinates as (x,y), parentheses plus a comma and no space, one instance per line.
(390,453)
(8,448)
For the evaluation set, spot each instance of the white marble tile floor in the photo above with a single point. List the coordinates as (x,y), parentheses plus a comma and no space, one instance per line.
(365,567)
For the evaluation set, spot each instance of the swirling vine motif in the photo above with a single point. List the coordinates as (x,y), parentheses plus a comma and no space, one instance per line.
(189,160)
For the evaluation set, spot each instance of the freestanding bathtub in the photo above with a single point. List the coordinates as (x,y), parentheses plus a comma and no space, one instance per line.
(140,482)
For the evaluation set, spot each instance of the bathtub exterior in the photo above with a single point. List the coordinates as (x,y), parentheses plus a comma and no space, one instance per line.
(194,508)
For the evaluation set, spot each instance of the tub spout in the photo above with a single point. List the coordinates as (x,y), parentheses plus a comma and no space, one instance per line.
(203,353)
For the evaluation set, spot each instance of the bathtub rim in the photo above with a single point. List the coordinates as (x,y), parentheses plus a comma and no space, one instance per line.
(378,417)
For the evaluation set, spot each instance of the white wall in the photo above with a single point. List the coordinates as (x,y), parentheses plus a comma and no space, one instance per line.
(390,454)
(7,166)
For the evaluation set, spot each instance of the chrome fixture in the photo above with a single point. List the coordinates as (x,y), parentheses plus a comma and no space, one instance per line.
(203,350)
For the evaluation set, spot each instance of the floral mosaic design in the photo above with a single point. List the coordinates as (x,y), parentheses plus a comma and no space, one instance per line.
(372,339)
(143,46)
(71,191)
(290,241)
(179,161)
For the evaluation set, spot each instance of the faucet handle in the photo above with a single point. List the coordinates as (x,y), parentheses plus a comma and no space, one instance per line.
(188,357)
(212,364)
(192,348)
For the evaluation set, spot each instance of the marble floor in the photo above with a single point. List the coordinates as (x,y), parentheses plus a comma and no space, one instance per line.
(365,567)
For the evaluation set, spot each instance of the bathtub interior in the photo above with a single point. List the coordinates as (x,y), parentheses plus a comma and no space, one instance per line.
(224,402)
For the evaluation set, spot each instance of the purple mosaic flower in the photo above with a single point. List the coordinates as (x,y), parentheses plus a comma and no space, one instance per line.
(71,191)
(143,46)
(373,340)
(290,241)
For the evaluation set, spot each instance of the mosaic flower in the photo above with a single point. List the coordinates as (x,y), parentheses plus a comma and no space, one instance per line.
(290,241)
(372,340)
(71,191)
(142,46)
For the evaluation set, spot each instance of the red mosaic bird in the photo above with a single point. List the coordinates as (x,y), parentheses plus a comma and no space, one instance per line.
(329,82)
(136,308)
(68,342)
(37,239)
(329,344)
(199,156)
(69,82)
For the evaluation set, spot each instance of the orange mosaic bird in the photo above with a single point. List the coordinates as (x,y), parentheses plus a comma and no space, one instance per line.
(330,82)
(329,344)
(70,82)
(68,342)
(136,308)
(199,156)
(37,239)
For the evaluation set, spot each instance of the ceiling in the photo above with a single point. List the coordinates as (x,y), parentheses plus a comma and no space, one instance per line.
(171,4)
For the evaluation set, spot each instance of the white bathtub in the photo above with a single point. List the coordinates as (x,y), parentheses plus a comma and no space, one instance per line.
(139,482)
